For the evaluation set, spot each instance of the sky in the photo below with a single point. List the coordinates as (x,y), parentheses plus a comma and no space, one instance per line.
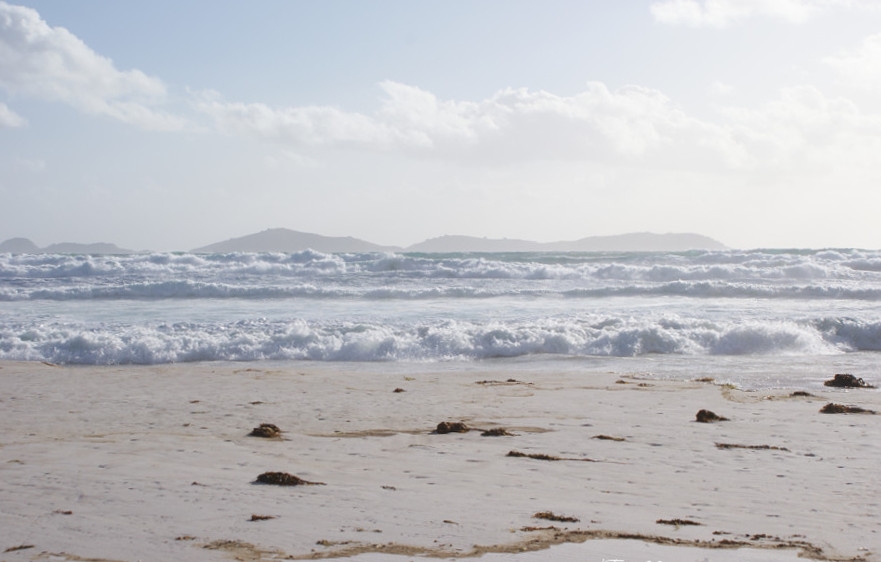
(169,125)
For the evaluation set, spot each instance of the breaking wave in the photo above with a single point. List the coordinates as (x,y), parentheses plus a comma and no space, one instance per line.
(437,341)
(843,274)
(173,307)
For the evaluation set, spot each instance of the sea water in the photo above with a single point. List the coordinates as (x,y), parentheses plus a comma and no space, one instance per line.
(759,317)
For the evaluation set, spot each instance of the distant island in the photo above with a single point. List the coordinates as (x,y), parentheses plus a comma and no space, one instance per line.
(25,246)
(286,241)
(635,242)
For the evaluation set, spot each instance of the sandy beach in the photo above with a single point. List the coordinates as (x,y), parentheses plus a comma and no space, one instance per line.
(156,463)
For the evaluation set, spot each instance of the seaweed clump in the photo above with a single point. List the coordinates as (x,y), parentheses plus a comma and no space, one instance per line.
(832,408)
(267,430)
(284,479)
(536,456)
(677,522)
(551,516)
(452,427)
(496,432)
(847,381)
(19,547)
(608,438)
(750,447)
(706,416)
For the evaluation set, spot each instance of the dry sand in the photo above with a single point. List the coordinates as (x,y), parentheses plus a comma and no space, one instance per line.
(155,463)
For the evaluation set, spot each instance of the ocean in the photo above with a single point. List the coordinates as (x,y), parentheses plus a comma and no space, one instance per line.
(755,318)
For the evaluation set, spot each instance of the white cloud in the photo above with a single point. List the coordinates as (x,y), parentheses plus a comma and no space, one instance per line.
(309,126)
(720,13)
(720,88)
(9,118)
(418,117)
(805,133)
(51,63)
(512,125)
(802,133)
(860,68)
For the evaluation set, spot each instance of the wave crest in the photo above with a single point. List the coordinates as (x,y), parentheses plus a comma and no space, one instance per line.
(437,341)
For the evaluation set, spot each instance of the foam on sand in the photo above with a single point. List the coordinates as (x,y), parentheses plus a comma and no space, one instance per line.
(129,463)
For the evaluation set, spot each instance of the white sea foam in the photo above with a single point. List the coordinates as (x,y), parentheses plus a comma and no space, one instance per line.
(155,308)
(434,341)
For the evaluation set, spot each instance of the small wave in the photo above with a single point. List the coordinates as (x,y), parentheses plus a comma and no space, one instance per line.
(189,289)
(644,267)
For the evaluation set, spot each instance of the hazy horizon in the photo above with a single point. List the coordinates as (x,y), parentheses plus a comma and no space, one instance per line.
(272,239)
(168,126)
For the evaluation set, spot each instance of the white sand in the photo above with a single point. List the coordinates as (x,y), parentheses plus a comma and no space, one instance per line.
(154,463)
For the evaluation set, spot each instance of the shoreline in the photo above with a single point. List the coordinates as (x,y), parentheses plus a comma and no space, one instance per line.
(148,462)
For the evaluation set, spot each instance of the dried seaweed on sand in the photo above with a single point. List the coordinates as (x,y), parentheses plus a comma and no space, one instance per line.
(707,416)
(832,408)
(677,522)
(843,380)
(452,427)
(551,516)
(751,447)
(267,430)
(284,479)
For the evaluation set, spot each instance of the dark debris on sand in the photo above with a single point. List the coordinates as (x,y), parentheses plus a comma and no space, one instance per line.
(536,456)
(267,430)
(496,432)
(847,381)
(544,457)
(284,479)
(832,408)
(551,516)
(750,447)
(19,547)
(452,427)
(706,416)
(677,522)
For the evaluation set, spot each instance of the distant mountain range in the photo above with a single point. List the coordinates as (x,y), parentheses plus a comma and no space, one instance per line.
(285,240)
(25,246)
(635,242)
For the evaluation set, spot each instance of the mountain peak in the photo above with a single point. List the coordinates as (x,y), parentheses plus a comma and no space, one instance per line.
(18,246)
(285,240)
(633,242)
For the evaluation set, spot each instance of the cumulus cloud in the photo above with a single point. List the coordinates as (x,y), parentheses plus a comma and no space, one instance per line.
(303,126)
(805,130)
(513,124)
(720,13)
(40,61)
(632,127)
(861,67)
(9,118)
(420,118)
